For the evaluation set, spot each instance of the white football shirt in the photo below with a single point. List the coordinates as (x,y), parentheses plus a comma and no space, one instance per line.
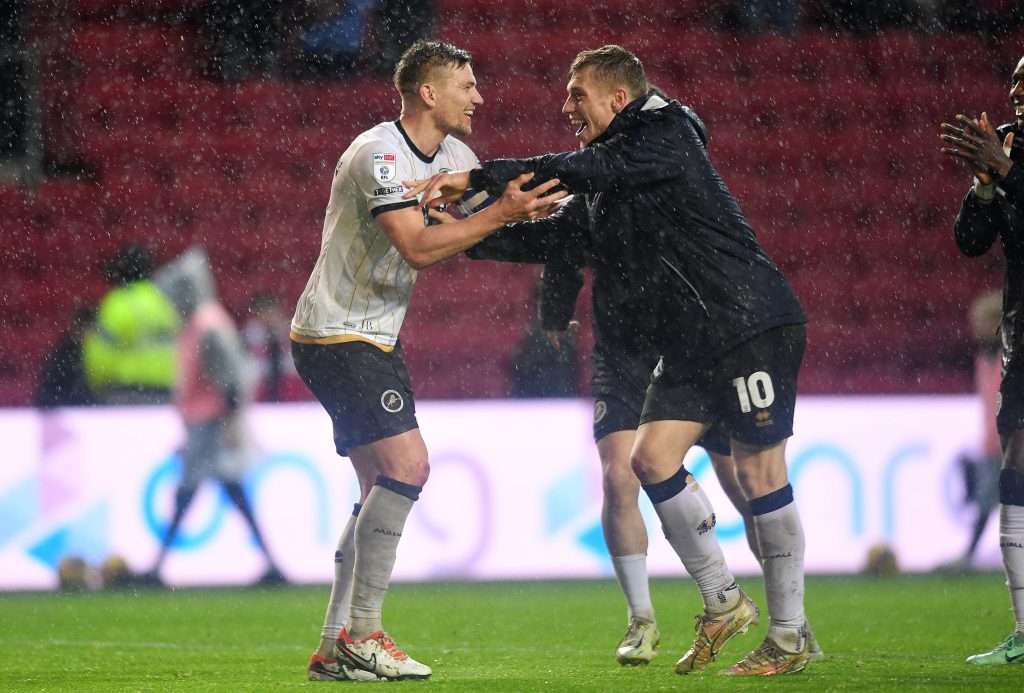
(360,286)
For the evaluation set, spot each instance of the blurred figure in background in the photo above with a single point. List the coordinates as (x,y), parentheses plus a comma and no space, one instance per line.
(266,340)
(397,25)
(243,37)
(129,354)
(539,367)
(332,43)
(62,381)
(209,393)
(780,16)
(985,314)
(981,471)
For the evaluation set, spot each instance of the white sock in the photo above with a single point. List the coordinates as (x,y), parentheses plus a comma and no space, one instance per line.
(780,539)
(632,574)
(689,523)
(336,616)
(378,531)
(1011,542)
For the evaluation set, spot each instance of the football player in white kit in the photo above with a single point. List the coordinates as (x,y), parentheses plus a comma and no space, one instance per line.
(345,334)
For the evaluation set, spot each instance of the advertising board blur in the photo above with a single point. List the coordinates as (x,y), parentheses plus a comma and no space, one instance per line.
(515,492)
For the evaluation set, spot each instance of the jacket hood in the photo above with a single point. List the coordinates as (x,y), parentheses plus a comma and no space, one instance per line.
(644,107)
(187,280)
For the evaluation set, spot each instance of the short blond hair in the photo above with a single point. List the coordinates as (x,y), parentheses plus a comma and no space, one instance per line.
(613,65)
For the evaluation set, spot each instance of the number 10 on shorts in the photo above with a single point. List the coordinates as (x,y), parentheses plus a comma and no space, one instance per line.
(756,389)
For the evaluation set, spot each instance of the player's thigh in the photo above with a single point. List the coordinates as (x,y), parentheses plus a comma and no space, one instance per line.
(365,390)
(755,388)
(617,474)
(725,470)
(401,457)
(760,470)
(1013,451)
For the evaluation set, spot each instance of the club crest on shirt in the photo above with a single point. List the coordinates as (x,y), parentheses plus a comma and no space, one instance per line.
(384,165)
(392,401)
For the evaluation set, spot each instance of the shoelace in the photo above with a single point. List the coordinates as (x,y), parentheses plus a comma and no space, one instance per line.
(702,645)
(391,648)
(633,635)
(764,654)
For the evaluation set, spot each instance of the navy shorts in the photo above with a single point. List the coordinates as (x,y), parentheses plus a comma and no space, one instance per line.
(1010,403)
(365,390)
(619,383)
(751,390)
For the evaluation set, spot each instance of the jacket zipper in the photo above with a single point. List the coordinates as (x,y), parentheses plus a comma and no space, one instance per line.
(688,283)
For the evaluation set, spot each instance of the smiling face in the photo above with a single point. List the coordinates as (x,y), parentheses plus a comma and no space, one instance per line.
(1017,92)
(455,99)
(591,104)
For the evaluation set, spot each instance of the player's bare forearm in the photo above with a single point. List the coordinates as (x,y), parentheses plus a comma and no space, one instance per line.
(422,246)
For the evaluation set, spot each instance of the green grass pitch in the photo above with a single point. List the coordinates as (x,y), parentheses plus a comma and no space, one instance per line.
(907,633)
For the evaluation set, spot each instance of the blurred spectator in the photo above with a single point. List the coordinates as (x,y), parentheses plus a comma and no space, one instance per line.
(981,471)
(332,43)
(397,25)
(780,16)
(244,37)
(62,382)
(129,354)
(538,367)
(210,391)
(867,16)
(13,92)
(266,339)
(50,24)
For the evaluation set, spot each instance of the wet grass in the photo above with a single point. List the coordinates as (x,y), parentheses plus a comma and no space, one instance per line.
(908,633)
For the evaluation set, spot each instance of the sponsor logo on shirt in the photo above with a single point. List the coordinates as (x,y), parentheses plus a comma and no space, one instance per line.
(388,191)
(384,165)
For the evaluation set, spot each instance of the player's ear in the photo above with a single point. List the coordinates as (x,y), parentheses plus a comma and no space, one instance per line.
(428,94)
(620,99)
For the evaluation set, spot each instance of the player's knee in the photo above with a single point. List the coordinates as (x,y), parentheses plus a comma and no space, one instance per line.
(645,465)
(416,471)
(620,483)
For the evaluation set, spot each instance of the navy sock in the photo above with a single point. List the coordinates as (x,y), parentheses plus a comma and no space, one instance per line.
(772,501)
(410,491)
(663,490)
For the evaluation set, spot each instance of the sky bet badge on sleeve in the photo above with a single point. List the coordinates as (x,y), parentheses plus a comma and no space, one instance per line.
(384,164)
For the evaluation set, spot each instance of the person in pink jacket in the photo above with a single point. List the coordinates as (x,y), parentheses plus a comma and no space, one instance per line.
(210,388)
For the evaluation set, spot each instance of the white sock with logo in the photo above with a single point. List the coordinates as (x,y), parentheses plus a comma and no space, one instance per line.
(377,533)
(689,525)
(336,616)
(1011,543)
(631,572)
(780,538)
